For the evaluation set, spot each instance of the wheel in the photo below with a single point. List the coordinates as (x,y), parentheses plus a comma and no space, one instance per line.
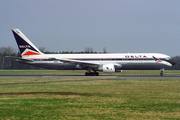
(162,70)
(96,74)
(161,74)
(86,74)
(91,73)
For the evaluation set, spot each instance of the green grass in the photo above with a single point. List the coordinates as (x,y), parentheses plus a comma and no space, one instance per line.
(92,100)
(41,72)
(81,72)
(34,80)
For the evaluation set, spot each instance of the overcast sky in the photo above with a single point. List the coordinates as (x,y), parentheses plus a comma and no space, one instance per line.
(72,25)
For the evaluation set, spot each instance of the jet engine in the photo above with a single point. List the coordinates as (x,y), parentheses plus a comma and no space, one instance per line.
(110,68)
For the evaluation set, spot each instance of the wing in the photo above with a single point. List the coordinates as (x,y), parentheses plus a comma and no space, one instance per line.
(81,63)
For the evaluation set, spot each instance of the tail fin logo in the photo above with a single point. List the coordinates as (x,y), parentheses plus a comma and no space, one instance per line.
(24,46)
(30,53)
(28,50)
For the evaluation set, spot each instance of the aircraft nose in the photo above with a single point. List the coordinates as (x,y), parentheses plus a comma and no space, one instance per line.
(172,62)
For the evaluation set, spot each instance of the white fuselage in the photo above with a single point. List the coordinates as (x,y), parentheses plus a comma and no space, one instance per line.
(128,61)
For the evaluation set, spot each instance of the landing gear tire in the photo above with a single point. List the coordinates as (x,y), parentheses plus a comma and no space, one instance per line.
(162,70)
(161,74)
(96,74)
(91,74)
(86,74)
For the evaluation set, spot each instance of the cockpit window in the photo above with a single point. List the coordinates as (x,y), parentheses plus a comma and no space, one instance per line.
(168,58)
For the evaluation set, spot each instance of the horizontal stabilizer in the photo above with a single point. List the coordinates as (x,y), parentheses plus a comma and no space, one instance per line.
(20,59)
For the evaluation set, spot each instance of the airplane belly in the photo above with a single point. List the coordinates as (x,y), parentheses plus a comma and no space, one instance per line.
(143,66)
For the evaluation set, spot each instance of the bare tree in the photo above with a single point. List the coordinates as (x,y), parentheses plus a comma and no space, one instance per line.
(104,50)
(88,50)
(91,50)
(42,49)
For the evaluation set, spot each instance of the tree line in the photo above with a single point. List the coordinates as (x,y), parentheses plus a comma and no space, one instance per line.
(8,63)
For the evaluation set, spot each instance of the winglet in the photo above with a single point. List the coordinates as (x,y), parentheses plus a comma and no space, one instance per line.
(26,47)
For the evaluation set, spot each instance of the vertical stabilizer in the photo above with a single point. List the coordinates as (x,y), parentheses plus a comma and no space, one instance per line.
(26,47)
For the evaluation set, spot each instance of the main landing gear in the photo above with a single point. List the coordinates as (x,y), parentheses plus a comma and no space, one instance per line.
(91,73)
(162,70)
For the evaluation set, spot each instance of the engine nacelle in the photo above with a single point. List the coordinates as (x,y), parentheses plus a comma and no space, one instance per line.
(109,68)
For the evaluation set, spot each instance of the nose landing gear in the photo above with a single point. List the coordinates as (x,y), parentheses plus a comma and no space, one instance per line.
(162,70)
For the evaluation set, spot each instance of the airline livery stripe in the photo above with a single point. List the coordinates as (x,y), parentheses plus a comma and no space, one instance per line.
(102,59)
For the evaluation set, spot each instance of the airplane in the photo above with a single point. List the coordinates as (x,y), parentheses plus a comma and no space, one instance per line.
(107,63)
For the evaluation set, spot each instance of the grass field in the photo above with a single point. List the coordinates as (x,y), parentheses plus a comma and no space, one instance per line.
(93,100)
(81,72)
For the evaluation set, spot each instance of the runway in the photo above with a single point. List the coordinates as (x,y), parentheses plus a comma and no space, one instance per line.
(91,77)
